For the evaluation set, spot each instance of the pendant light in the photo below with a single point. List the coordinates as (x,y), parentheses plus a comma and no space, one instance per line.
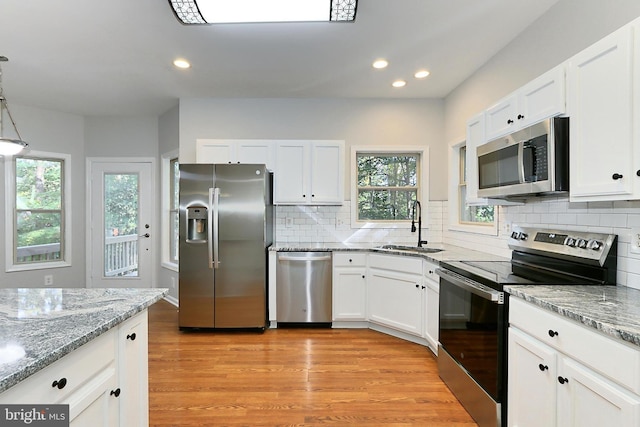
(8,146)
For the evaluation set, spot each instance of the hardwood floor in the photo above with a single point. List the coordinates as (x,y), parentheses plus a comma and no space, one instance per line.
(292,377)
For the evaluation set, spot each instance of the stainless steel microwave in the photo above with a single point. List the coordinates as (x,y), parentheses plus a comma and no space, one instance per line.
(531,161)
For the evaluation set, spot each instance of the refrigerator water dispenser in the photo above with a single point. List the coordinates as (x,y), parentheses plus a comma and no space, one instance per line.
(196,224)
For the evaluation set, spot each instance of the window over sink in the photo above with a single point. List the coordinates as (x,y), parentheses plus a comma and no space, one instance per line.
(386,181)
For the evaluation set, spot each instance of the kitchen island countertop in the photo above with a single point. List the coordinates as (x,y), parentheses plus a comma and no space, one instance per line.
(612,310)
(40,325)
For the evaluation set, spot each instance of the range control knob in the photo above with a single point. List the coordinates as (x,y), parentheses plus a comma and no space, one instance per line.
(582,244)
(594,245)
(514,234)
(570,241)
(523,236)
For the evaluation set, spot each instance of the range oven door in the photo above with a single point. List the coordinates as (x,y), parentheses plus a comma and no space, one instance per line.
(473,330)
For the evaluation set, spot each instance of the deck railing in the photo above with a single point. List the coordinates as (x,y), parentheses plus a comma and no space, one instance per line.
(120,255)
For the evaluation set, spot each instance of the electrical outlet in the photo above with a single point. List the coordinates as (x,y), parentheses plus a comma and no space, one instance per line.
(288,222)
(339,222)
(634,243)
(48,280)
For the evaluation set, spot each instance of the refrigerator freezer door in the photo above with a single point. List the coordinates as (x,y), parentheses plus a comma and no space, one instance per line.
(196,290)
(240,278)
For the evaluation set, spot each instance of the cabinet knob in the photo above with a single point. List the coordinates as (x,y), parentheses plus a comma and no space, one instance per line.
(423,287)
(509,121)
(313,195)
(132,337)
(616,176)
(417,286)
(350,260)
(430,271)
(552,333)
(59,383)
(304,195)
(520,117)
(543,367)
(563,380)
(115,392)
(363,276)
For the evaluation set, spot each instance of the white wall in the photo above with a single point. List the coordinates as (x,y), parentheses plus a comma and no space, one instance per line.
(56,132)
(357,121)
(135,136)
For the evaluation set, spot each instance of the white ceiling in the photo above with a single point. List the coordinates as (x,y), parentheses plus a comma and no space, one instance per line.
(114,57)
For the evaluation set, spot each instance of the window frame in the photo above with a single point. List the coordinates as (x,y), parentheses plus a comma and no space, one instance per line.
(166,198)
(423,183)
(10,212)
(455,202)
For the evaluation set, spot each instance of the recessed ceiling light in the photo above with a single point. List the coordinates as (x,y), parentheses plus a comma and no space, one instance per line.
(399,83)
(380,63)
(181,63)
(421,74)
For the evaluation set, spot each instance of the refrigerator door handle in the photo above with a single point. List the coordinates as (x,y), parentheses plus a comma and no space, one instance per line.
(209,231)
(214,196)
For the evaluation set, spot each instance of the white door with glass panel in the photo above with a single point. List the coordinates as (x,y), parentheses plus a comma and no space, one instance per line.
(120,226)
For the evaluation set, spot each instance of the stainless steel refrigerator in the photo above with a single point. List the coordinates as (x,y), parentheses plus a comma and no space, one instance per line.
(226,228)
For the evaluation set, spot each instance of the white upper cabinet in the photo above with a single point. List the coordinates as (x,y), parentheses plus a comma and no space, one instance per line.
(539,99)
(236,151)
(475,137)
(602,88)
(309,172)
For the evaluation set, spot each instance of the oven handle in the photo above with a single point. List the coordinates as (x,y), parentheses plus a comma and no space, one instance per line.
(471,286)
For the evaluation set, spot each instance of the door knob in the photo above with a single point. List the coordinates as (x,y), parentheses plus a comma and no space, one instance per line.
(145,235)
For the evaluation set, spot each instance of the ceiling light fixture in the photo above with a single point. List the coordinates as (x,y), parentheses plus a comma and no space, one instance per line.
(380,63)
(399,83)
(421,74)
(182,63)
(236,11)
(8,146)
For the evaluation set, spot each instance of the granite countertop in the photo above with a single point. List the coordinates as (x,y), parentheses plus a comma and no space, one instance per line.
(612,310)
(40,325)
(449,252)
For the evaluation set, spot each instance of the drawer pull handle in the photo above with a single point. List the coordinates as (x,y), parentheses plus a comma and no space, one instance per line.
(115,392)
(59,383)
(543,367)
(132,337)
(553,333)
(562,380)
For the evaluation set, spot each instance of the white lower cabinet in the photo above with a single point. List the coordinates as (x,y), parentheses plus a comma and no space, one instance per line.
(562,374)
(349,286)
(431,305)
(395,292)
(104,382)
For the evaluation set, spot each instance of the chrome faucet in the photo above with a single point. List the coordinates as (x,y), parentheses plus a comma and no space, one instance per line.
(413,223)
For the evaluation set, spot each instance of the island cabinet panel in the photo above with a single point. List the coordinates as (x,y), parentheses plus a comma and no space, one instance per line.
(572,376)
(105,381)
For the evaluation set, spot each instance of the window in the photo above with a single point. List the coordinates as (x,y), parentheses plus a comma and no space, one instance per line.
(174,210)
(478,215)
(387,183)
(38,223)
(170,210)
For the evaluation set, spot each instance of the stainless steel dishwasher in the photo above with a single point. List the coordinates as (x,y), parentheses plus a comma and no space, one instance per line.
(303,288)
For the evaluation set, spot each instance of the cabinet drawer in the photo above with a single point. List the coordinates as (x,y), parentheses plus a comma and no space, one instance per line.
(349,259)
(404,264)
(616,360)
(77,368)
(429,271)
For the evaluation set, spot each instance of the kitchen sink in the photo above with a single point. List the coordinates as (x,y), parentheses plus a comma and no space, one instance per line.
(405,248)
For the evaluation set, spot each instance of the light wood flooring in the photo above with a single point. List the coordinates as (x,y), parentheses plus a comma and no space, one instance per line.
(292,377)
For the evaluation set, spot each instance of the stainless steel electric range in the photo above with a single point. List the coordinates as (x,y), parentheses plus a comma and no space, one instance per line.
(472,358)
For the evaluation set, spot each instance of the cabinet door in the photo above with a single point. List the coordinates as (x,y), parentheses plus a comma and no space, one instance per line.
(327,172)
(501,117)
(96,403)
(475,137)
(599,102)
(585,399)
(543,97)
(133,371)
(291,180)
(349,294)
(395,300)
(532,382)
(432,315)
(258,151)
(215,151)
